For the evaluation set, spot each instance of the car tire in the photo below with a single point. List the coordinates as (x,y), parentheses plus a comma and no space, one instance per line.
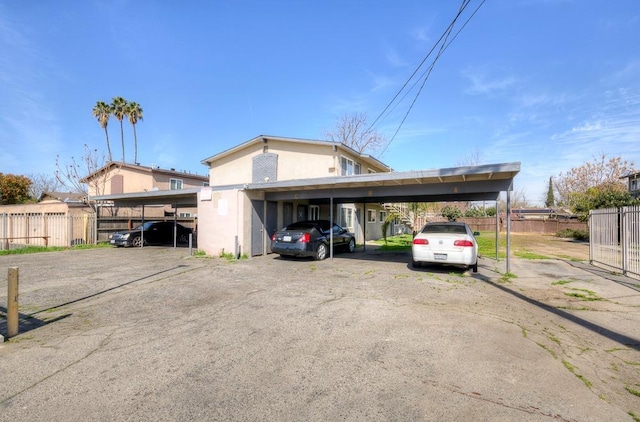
(136,242)
(415,264)
(474,267)
(351,246)
(321,252)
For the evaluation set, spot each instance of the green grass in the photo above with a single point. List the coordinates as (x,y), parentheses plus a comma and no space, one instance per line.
(400,242)
(38,249)
(584,294)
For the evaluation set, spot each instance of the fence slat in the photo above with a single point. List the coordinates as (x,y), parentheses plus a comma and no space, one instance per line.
(614,239)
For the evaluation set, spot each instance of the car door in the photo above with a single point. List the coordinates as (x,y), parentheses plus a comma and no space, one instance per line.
(339,238)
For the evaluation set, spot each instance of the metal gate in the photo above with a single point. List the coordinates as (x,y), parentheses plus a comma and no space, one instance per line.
(614,239)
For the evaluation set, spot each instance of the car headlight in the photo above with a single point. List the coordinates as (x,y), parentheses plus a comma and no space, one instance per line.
(126,236)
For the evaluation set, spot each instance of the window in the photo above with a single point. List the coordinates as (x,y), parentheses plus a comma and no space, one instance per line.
(371,216)
(184,214)
(176,184)
(383,216)
(205,184)
(348,167)
(314,212)
(347,218)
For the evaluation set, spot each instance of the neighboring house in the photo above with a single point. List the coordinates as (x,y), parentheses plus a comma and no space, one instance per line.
(118,178)
(541,214)
(268,159)
(633,184)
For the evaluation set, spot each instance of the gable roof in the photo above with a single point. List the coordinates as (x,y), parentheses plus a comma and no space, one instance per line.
(67,197)
(136,167)
(265,138)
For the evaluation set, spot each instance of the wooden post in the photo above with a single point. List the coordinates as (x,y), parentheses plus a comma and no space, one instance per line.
(12,302)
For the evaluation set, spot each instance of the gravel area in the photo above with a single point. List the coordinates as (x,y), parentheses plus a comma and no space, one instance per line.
(155,334)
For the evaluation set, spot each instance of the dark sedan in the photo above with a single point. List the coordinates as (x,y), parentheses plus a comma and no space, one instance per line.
(151,232)
(311,238)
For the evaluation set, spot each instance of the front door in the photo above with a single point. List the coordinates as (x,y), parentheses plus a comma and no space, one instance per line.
(257,227)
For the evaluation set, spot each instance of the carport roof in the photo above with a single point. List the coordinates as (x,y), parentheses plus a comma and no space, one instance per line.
(470,183)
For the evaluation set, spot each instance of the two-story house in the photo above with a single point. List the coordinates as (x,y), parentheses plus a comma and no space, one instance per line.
(117,178)
(633,184)
(269,159)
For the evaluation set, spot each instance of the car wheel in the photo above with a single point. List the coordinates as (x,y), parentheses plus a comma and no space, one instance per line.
(474,267)
(351,246)
(321,252)
(137,241)
(415,264)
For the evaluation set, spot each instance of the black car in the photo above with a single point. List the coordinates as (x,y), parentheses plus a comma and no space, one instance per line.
(311,238)
(153,232)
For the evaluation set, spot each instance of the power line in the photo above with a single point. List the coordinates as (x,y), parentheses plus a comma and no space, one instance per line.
(444,43)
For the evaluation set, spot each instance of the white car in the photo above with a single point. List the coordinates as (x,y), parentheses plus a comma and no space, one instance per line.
(445,243)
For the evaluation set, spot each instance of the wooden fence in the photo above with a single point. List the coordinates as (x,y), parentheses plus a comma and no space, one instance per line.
(45,229)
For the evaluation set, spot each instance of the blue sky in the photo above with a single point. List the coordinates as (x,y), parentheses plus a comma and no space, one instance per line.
(548,83)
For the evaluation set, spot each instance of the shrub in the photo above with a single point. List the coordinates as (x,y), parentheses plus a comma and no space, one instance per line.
(574,234)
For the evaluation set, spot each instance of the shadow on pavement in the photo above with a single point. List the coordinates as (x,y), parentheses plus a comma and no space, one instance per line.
(625,340)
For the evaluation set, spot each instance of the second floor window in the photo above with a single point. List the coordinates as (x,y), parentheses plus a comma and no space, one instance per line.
(176,184)
(348,167)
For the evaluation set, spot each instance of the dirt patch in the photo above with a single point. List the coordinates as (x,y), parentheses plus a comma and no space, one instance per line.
(548,246)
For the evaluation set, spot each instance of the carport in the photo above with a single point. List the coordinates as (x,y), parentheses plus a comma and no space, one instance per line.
(470,183)
(183,198)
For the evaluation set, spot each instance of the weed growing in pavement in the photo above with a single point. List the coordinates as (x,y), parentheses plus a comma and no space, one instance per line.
(561,282)
(633,390)
(572,369)
(230,257)
(554,354)
(524,332)
(199,253)
(506,277)
(635,417)
(588,295)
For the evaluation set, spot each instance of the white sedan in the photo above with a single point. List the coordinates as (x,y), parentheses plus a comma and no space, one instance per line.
(445,243)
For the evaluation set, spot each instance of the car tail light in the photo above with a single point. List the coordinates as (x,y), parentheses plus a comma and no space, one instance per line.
(420,241)
(463,243)
(305,238)
(273,237)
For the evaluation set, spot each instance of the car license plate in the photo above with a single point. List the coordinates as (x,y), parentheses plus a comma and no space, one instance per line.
(286,238)
(440,256)
(113,241)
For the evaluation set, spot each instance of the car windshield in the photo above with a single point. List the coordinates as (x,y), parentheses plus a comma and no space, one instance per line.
(144,226)
(444,228)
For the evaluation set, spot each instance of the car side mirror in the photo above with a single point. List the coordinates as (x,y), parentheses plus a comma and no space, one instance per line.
(476,233)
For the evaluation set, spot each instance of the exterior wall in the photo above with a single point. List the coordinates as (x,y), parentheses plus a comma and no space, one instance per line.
(222,219)
(295,161)
(46,208)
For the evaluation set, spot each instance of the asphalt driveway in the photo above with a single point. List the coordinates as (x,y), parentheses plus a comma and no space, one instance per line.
(153,334)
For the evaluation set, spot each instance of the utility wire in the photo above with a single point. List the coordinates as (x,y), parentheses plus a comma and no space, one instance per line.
(444,40)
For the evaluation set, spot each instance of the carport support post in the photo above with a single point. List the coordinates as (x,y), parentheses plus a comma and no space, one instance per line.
(12,302)
(142,231)
(331,224)
(508,231)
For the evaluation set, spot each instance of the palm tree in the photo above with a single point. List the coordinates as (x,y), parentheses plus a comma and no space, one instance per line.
(119,111)
(134,111)
(102,111)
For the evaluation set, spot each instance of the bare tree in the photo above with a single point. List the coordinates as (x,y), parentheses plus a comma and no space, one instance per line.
(41,183)
(72,174)
(353,131)
(472,158)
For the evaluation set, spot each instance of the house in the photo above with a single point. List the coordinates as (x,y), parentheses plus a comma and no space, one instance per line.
(633,184)
(270,159)
(267,182)
(119,178)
